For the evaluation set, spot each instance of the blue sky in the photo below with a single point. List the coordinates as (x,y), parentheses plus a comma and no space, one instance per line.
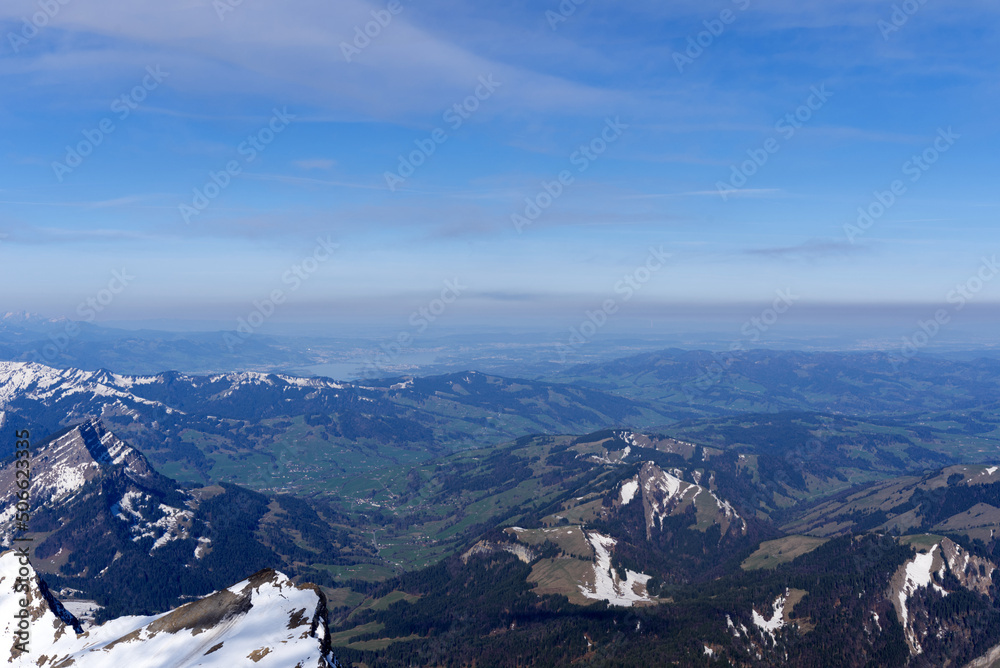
(223,72)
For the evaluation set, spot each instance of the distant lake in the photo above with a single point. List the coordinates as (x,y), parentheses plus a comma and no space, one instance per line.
(337,370)
(350,369)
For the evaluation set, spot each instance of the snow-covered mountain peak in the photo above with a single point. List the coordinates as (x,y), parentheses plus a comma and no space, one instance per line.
(69,460)
(49,622)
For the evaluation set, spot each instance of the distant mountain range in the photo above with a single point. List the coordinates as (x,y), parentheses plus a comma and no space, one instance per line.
(65,343)
(297,432)
(860,384)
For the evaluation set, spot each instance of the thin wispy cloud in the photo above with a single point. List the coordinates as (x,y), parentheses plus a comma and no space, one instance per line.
(304,180)
(315,163)
(808,250)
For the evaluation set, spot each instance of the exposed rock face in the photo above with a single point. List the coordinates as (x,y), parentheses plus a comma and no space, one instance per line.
(266,621)
(974,573)
(664,493)
(485,548)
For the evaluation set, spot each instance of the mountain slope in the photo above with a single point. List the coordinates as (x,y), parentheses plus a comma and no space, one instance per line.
(625,548)
(854,601)
(106,524)
(958,500)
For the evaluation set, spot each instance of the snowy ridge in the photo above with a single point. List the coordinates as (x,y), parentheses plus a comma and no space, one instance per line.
(237,380)
(40,382)
(264,621)
(37,382)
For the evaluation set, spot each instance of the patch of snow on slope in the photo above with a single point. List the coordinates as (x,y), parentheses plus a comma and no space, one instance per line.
(666,493)
(730,512)
(629,488)
(607,585)
(668,484)
(167,528)
(769,626)
(130,381)
(628,437)
(127,505)
(171,525)
(203,544)
(917,574)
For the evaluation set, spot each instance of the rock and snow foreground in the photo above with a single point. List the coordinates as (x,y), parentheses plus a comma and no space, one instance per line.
(265,621)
